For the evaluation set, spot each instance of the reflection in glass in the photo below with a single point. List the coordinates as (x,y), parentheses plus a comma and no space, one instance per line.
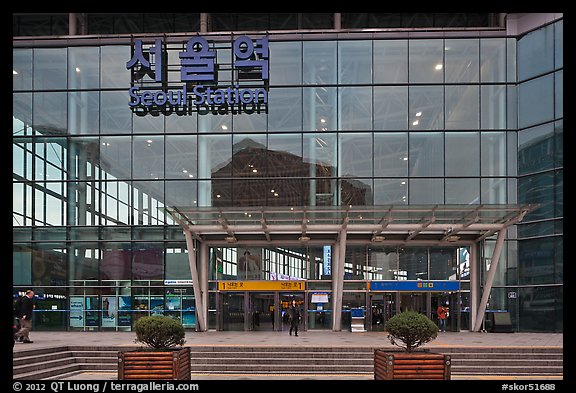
(462,58)
(354,62)
(319,62)
(355,108)
(50,69)
(391,61)
(83,72)
(390,108)
(426,110)
(462,107)
(426,154)
(462,153)
(426,61)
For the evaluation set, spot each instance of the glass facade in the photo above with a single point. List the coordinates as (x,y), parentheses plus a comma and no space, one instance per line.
(389,119)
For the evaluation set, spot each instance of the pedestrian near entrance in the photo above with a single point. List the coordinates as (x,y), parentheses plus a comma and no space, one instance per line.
(295,317)
(25,317)
(442,315)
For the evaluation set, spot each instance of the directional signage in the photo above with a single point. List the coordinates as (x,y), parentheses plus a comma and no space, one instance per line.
(416,285)
(280,285)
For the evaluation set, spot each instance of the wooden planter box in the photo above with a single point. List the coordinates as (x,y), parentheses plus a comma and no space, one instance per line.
(146,364)
(411,365)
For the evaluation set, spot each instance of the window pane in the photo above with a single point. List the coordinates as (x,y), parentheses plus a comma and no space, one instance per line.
(536,101)
(114,72)
(462,154)
(462,191)
(413,263)
(426,154)
(462,60)
(320,109)
(83,113)
(538,189)
(391,61)
(493,190)
(443,264)
(285,155)
(559,94)
(83,71)
(383,262)
(355,108)
(355,154)
(354,62)
(115,156)
(249,156)
(115,116)
(22,69)
(536,53)
(426,61)
(390,154)
(148,157)
(462,107)
(286,64)
(426,191)
(390,108)
(559,44)
(214,157)
(319,62)
(285,106)
(181,157)
(50,69)
(50,113)
(493,154)
(426,108)
(390,191)
(536,149)
(493,60)
(320,154)
(493,107)
(147,124)
(183,193)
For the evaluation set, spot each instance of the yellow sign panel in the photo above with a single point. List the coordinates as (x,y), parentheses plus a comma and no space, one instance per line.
(262,285)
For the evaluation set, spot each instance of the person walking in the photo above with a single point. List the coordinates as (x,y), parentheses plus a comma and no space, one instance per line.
(25,317)
(295,316)
(442,315)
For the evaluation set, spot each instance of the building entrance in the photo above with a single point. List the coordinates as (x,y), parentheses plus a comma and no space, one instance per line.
(257,311)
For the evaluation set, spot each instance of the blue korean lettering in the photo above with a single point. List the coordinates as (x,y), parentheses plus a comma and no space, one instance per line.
(197,61)
(249,56)
(139,57)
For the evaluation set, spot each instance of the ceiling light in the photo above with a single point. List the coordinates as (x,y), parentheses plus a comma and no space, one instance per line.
(378,238)
(304,238)
(231,239)
(453,238)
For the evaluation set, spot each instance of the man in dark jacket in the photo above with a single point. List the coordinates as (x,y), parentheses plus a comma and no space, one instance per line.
(294,314)
(25,317)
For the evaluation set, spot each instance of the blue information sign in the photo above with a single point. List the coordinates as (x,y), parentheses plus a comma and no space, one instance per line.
(418,285)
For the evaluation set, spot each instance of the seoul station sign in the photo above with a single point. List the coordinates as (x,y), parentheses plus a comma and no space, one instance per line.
(198,89)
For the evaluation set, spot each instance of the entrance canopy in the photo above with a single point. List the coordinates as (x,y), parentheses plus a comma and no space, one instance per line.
(392,224)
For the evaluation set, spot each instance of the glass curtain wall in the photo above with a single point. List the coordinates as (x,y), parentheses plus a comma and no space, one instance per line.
(361,122)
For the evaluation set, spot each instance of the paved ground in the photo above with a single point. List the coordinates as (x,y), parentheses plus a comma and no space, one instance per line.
(322,338)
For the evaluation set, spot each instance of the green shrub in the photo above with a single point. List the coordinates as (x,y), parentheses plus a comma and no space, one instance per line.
(409,330)
(159,332)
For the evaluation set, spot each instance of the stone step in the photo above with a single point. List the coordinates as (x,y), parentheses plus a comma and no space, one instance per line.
(50,363)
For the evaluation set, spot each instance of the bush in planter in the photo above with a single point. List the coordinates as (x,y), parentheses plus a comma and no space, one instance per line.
(164,357)
(159,332)
(410,329)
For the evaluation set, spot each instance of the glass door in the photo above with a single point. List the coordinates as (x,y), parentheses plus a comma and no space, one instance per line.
(261,312)
(233,311)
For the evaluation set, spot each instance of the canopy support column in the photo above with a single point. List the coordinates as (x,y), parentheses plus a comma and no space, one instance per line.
(198,297)
(489,279)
